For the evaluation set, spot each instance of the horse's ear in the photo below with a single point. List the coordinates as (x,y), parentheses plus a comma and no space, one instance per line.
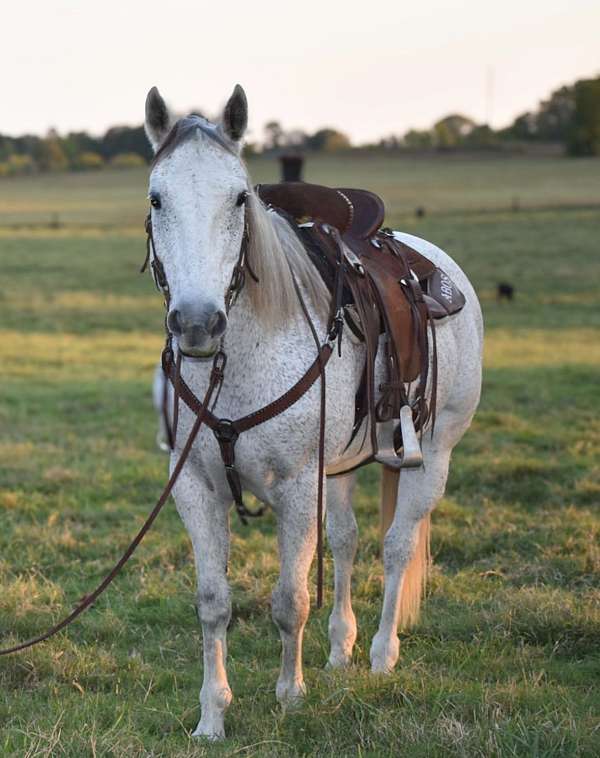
(235,115)
(158,118)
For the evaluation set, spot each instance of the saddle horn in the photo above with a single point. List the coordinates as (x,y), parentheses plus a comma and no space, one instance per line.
(412,457)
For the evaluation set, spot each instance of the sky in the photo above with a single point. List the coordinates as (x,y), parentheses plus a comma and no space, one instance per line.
(368,68)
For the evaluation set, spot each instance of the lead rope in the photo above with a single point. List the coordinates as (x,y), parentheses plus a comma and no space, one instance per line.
(216,378)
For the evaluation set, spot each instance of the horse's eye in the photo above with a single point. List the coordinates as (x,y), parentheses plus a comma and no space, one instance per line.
(241,198)
(155,200)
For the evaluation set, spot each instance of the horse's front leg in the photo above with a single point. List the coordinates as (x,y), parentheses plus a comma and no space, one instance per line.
(206,519)
(296,508)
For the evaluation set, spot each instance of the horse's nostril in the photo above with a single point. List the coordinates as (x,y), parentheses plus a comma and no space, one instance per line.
(217,324)
(174,322)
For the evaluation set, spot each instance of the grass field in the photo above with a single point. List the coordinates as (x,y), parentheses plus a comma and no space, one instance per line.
(506,658)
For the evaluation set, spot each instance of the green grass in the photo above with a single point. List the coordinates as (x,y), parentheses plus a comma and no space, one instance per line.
(505,661)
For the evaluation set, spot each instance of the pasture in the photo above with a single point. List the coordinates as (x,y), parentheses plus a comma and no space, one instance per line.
(506,658)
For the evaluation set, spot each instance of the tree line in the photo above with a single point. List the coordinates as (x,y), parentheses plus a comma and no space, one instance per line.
(570,117)
(120,147)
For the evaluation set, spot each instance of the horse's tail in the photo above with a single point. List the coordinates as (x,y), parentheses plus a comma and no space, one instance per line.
(415,575)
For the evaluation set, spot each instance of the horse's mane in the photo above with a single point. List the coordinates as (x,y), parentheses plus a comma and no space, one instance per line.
(273,249)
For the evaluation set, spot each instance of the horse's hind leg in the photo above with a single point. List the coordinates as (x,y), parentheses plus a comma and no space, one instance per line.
(419,492)
(342,537)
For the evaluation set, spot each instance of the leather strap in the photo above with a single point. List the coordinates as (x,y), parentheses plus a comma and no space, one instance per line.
(275,408)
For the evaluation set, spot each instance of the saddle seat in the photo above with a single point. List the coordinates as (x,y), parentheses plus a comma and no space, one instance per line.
(392,295)
(354,212)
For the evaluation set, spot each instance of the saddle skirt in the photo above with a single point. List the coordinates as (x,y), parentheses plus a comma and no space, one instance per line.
(391,292)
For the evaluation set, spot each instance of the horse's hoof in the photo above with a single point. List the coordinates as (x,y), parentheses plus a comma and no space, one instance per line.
(291,695)
(338,661)
(209,734)
(384,655)
(379,667)
(211,729)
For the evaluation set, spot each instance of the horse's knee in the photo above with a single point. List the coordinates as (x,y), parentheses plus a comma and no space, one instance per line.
(214,605)
(290,607)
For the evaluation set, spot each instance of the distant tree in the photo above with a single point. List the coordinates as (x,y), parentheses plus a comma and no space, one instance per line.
(273,135)
(88,161)
(522,128)
(555,115)
(481,137)
(584,137)
(418,139)
(328,140)
(451,131)
(76,143)
(17,164)
(125,139)
(49,154)
(127,160)
(6,148)
(391,142)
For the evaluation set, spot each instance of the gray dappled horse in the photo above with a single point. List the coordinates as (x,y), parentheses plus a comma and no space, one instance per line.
(201,199)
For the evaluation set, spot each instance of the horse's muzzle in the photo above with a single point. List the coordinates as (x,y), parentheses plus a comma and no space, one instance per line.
(198,334)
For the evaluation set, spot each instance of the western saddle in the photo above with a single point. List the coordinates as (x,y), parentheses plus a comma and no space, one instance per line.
(390,295)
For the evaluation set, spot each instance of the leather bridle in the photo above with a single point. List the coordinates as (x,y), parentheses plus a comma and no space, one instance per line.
(225,430)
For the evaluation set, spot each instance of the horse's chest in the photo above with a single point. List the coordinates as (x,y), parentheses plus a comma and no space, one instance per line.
(284,445)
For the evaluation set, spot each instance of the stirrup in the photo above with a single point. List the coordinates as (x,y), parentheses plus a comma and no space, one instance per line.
(412,457)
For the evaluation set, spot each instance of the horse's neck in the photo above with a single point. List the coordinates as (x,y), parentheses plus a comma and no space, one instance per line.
(247,337)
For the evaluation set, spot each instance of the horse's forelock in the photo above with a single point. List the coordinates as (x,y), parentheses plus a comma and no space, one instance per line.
(187,127)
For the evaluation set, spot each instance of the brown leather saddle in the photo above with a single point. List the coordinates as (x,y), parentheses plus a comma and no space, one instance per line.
(389,289)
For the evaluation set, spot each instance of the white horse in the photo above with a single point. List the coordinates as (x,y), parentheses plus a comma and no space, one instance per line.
(197,190)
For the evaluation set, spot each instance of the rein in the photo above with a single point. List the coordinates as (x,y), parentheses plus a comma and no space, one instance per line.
(225,430)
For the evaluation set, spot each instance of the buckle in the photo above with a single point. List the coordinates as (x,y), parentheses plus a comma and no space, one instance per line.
(226,432)
(336,330)
(218,367)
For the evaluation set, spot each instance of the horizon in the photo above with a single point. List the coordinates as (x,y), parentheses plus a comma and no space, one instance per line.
(437,68)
